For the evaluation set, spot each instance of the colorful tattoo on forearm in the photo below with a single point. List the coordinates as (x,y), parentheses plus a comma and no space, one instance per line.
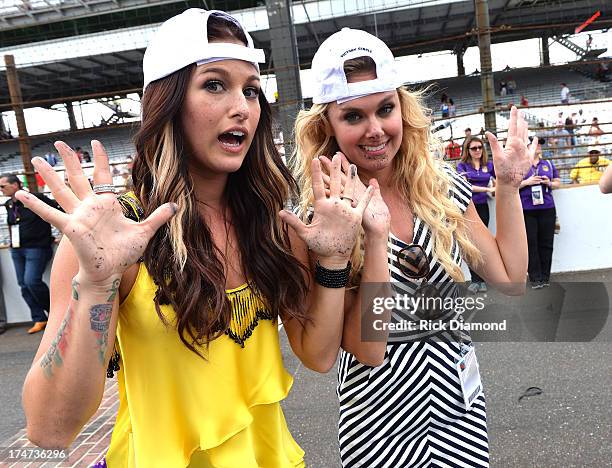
(99,319)
(54,357)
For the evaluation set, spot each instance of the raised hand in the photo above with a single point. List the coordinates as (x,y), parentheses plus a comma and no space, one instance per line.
(335,224)
(512,161)
(105,241)
(376,219)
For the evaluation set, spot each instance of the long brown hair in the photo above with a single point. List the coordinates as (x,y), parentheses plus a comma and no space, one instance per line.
(467,157)
(181,258)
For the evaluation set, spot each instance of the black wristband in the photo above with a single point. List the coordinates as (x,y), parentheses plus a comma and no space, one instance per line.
(332,278)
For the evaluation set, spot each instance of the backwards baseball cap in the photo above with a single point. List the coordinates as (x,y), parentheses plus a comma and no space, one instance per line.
(330,82)
(183,40)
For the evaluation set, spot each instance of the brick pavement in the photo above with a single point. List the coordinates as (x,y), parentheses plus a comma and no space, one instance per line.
(90,445)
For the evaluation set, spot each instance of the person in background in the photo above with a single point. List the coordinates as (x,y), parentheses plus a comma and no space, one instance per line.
(476,168)
(540,215)
(595,131)
(565,93)
(511,85)
(468,133)
(79,153)
(560,141)
(31,250)
(603,71)
(452,110)
(445,107)
(590,169)
(51,158)
(570,127)
(452,151)
(543,135)
(524,101)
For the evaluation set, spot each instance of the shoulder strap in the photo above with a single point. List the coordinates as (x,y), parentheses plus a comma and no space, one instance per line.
(131,206)
(133,210)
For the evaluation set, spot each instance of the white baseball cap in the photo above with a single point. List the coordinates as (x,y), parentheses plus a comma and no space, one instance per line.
(183,40)
(328,67)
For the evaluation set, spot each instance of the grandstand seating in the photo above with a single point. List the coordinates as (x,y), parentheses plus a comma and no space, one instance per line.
(539,85)
(116,140)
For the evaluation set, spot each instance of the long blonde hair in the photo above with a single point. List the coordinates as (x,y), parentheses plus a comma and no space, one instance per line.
(420,178)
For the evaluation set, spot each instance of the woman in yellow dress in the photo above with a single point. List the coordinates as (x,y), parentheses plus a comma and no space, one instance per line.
(187,299)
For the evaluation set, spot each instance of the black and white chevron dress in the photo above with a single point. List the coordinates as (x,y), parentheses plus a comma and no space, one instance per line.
(409,412)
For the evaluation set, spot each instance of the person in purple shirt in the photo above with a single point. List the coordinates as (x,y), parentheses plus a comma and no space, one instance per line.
(479,171)
(540,214)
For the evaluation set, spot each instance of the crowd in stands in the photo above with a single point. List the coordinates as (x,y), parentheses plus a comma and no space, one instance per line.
(447,106)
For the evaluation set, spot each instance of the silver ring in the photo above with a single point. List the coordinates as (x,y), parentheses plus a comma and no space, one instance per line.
(347,198)
(104,188)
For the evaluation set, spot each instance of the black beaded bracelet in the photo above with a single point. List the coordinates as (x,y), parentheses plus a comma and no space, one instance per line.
(332,278)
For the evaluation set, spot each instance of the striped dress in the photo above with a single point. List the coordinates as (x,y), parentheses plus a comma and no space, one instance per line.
(409,411)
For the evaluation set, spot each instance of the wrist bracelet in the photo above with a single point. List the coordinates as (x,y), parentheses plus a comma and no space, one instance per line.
(332,278)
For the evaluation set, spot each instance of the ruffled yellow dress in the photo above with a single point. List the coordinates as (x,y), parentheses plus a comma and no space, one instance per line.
(179,410)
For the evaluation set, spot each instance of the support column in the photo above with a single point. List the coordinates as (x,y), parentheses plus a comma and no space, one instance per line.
(460,65)
(486,77)
(17,102)
(71,117)
(286,67)
(3,129)
(544,53)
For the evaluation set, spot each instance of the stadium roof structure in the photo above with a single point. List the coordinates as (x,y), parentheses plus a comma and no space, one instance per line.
(409,27)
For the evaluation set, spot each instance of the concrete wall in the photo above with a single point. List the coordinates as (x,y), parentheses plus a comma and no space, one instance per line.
(584,243)
(585,240)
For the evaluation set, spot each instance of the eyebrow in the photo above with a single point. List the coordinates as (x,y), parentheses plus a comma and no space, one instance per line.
(222,71)
(355,109)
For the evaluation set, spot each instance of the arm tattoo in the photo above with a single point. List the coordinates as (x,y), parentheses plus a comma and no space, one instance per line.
(113,290)
(75,289)
(99,319)
(54,357)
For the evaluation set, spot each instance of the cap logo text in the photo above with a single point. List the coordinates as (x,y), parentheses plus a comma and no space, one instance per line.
(354,49)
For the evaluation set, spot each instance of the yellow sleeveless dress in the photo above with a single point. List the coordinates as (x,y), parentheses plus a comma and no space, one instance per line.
(179,410)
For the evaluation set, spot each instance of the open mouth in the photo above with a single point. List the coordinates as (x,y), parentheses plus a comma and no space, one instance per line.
(232,139)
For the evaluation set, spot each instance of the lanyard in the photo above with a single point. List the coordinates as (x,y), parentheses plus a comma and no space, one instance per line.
(15,210)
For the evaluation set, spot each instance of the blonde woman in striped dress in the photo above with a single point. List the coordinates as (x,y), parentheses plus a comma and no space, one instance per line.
(401,399)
